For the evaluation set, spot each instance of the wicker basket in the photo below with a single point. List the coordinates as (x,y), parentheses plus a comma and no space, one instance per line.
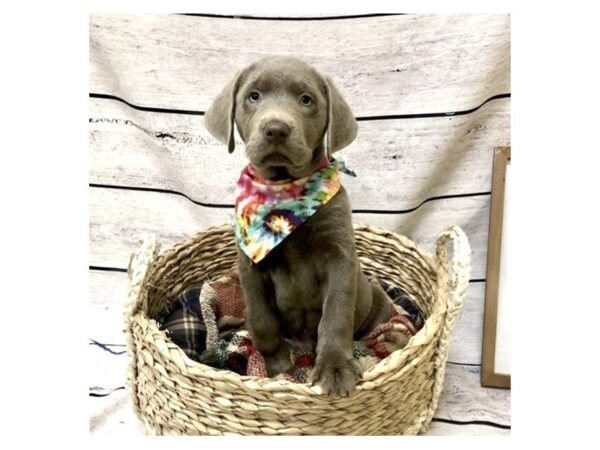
(173,394)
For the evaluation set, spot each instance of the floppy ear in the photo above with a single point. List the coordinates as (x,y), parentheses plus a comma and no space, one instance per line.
(341,125)
(220,116)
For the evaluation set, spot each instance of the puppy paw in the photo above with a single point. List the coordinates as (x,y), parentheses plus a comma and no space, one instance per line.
(337,378)
(278,362)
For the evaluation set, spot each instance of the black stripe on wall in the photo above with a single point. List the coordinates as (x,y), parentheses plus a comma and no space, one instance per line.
(104,344)
(100,392)
(146,108)
(429,115)
(472,422)
(108,269)
(162,191)
(405,211)
(306,18)
(230,206)
(360,118)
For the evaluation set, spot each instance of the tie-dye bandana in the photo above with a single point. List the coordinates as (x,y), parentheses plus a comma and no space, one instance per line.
(266,212)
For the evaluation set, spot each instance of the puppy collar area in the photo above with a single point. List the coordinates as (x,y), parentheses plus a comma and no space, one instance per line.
(267,212)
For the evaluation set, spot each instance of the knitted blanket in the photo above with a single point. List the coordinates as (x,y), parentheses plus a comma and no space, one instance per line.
(207,322)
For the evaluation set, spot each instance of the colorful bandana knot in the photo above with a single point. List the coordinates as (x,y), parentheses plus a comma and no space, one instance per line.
(266,212)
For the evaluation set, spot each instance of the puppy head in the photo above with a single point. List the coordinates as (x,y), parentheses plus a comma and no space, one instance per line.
(284,111)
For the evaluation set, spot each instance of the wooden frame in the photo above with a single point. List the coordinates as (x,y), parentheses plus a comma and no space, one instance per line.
(489,377)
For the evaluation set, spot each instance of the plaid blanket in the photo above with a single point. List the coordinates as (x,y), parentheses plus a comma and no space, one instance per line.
(207,322)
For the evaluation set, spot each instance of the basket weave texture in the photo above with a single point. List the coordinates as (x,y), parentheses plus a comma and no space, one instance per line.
(174,395)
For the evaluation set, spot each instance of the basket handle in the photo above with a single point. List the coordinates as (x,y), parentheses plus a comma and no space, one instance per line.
(138,271)
(456,269)
(454,274)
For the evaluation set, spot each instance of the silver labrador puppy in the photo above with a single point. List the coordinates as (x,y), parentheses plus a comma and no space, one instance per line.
(311,285)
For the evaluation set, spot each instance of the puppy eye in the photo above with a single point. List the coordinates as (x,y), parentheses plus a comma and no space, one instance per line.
(254,96)
(306,100)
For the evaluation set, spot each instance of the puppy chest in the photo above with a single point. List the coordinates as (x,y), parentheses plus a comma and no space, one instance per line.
(298,298)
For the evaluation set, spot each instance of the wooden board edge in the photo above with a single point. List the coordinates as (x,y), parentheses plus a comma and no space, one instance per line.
(489,377)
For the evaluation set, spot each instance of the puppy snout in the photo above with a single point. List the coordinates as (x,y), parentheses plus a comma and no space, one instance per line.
(276,132)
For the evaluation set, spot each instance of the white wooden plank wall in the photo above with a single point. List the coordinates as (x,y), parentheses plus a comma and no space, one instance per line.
(432,96)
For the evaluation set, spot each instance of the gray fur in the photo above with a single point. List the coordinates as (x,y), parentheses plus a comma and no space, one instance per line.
(311,286)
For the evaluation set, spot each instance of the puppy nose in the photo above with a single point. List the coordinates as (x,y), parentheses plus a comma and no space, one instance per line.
(276,132)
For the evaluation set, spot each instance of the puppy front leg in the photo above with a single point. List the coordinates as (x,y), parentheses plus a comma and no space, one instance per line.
(262,322)
(336,370)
